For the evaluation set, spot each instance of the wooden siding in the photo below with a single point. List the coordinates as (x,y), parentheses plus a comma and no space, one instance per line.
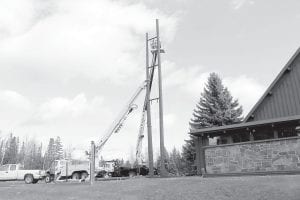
(282,98)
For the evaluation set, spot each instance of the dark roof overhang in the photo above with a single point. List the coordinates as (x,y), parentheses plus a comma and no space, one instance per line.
(235,127)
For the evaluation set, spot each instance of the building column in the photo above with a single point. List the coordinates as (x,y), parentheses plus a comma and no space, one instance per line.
(200,154)
(198,144)
(275,134)
(229,139)
(251,136)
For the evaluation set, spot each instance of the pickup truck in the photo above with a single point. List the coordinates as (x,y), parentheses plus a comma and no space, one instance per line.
(12,172)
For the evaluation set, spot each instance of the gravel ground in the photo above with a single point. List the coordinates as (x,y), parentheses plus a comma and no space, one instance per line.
(284,187)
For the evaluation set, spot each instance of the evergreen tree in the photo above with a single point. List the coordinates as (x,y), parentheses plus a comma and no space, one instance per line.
(166,162)
(1,150)
(49,154)
(176,162)
(11,150)
(59,152)
(3,147)
(189,155)
(31,164)
(21,157)
(216,107)
(39,157)
(6,157)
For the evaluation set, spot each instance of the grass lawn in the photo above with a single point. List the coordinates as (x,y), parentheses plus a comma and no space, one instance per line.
(283,187)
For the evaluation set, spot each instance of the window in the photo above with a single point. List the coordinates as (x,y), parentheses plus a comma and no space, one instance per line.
(4,168)
(13,167)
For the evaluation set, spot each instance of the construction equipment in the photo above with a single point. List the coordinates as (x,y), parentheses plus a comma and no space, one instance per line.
(156,50)
(62,168)
(139,160)
(118,123)
(138,153)
(130,106)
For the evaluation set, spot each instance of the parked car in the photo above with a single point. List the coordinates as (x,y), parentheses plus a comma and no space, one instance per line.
(12,172)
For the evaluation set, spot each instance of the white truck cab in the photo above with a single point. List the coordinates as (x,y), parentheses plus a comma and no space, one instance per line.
(106,166)
(12,172)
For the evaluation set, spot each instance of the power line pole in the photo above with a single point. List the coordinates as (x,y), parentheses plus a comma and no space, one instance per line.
(149,126)
(92,163)
(161,114)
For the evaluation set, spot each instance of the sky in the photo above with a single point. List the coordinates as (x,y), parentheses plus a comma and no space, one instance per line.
(68,67)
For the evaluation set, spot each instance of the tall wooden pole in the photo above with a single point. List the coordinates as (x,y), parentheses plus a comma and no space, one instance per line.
(92,164)
(161,114)
(149,126)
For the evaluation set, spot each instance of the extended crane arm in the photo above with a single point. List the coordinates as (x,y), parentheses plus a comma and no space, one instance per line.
(118,123)
(138,152)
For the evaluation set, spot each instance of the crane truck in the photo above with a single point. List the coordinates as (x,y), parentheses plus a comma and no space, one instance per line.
(80,170)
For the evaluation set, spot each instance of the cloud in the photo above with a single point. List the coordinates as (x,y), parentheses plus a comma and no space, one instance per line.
(237,4)
(19,111)
(96,39)
(14,108)
(15,17)
(246,89)
(13,99)
(59,108)
(186,78)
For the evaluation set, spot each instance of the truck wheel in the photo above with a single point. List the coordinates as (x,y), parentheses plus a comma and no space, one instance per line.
(76,176)
(84,175)
(48,179)
(28,179)
(35,181)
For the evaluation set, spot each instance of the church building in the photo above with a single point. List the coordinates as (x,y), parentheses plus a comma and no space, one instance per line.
(266,142)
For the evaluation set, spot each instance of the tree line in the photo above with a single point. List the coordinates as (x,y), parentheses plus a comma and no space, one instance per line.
(29,152)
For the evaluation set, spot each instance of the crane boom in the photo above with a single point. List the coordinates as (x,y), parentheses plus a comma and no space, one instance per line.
(118,123)
(138,153)
(139,143)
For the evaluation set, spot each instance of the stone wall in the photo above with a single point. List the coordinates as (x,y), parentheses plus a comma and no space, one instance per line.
(258,156)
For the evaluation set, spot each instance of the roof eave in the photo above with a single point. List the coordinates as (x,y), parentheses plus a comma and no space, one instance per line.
(201,132)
